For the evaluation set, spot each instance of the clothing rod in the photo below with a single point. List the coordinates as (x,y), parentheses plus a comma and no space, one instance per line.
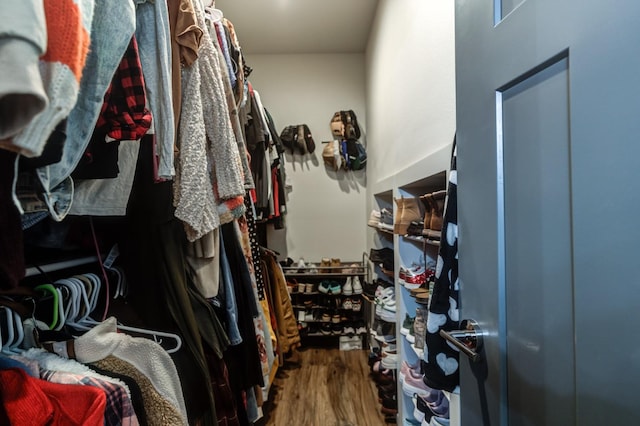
(51,267)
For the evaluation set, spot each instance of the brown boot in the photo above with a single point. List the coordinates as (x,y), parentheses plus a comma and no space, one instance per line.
(411,211)
(438,209)
(398,214)
(427,210)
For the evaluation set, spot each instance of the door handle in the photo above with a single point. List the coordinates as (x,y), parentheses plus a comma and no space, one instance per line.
(468,340)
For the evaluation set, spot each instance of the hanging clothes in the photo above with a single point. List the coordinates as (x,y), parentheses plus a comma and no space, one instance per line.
(112,27)
(145,355)
(154,39)
(288,335)
(153,237)
(441,364)
(209,167)
(24,35)
(185,43)
(27,400)
(68,25)
(12,266)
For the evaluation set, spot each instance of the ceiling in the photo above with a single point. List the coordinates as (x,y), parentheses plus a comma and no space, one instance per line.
(301,26)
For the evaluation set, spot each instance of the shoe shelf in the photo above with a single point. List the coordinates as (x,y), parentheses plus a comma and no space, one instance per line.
(421,201)
(332,280)
(412,195)
(322,307)
(381,229)
(320,275)
(326,322)
(421,240)
(320,334)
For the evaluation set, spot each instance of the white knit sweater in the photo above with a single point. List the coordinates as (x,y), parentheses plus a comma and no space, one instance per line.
(209,154)
(145,355)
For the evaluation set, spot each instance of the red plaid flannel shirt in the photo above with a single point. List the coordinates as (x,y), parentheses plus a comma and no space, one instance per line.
(124,115)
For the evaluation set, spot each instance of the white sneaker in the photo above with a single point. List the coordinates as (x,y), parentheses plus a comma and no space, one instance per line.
(390,361)
(374,218)
(357,286)
(302,265)
(347,289)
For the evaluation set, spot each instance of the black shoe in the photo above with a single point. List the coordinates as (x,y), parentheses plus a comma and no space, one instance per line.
(381,255)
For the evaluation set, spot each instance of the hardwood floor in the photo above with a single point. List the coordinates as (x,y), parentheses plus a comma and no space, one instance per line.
(324,387)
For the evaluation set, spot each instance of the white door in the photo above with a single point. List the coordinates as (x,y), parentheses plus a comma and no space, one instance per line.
(548,120)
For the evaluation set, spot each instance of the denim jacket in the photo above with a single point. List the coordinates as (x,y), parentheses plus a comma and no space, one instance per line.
(113,25)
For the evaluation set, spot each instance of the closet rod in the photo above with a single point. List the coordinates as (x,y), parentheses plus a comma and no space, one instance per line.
(51,267)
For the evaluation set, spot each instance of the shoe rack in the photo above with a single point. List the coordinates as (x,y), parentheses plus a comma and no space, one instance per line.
(415,255)
(328,303)
(419,246)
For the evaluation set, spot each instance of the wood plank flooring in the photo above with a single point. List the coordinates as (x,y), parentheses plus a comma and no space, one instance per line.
(324,387)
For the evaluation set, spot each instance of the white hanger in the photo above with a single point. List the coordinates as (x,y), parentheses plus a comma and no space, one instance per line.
(87,322)
(9,324)
(19,331)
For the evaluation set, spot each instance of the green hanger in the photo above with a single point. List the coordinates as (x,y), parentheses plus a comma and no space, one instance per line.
(49,288)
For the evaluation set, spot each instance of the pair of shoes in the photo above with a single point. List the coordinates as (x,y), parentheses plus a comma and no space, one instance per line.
(412,277)
(329,287)
(335,265)
(415,228)
(348,329)
(390,406)
(325,263)
(386,219)
(404,369)
(305,288)
(386,305)
(409,209)
(421,295)
(412,383)
(434,209)
(352,286)
(302,266)
(383,255)
(374,218)
(419,327)
(407,325)
(356,305)
(336,318)
(421,411)
(360,328)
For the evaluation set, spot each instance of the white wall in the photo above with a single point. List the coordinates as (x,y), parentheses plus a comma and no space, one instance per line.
(410,64)
(326,210)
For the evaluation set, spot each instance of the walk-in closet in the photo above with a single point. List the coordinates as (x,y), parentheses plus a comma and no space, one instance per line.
(336,213)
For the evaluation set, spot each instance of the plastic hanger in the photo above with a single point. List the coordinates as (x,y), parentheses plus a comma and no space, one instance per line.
(19,334)
(48,288)
(157,335)
(69,298)
(61,314)
(10,335)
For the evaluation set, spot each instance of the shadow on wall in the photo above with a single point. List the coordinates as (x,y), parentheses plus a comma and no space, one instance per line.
(301,161)
(347,180)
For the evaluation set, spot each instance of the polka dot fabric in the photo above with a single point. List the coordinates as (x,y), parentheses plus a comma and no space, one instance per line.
(440,363)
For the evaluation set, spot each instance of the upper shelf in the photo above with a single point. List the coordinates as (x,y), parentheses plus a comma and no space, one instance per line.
(317,271)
